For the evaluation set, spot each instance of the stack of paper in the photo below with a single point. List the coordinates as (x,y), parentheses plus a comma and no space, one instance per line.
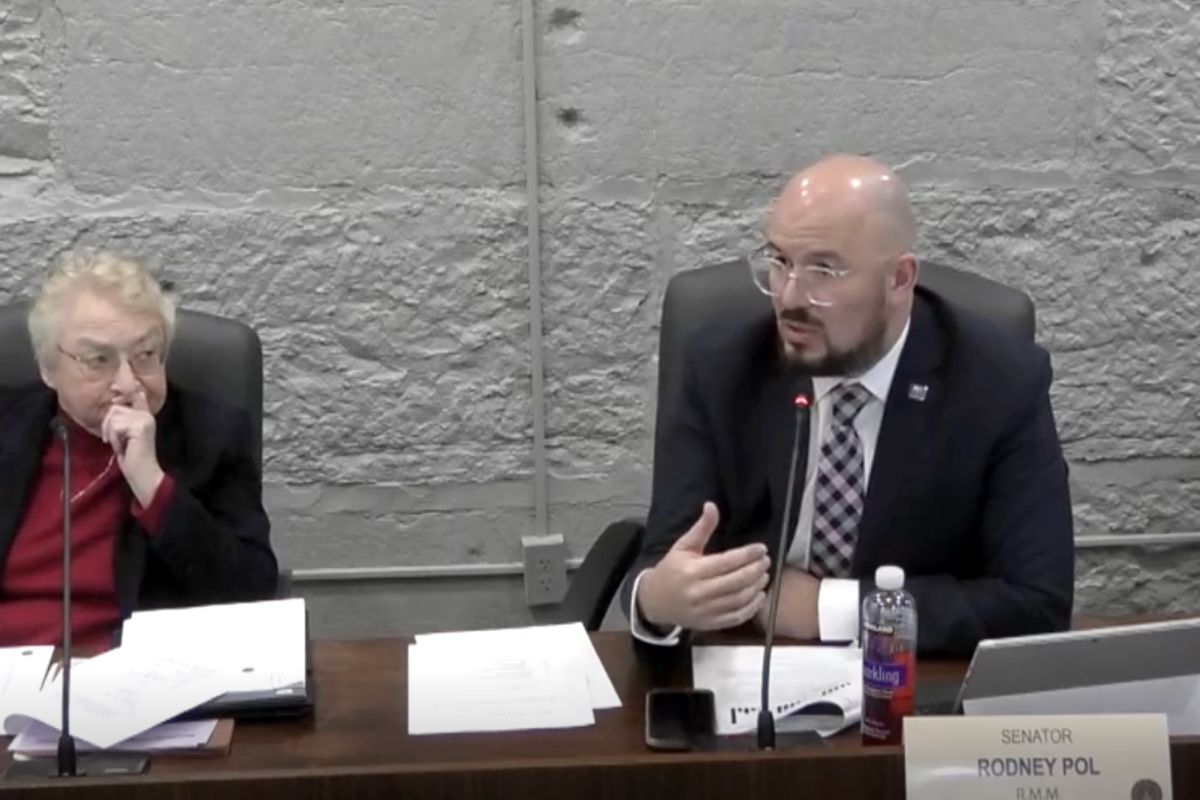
(117,695)
(22,671)
(255,646)
(177,738)
(812,688)
(510,679)
(170,662)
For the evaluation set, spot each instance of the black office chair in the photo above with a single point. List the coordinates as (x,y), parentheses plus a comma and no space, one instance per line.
(697,297)
(215,355)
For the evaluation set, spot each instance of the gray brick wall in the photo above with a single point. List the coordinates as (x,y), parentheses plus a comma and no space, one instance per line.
(349,177)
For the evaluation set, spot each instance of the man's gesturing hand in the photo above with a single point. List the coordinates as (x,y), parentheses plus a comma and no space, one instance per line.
(704,592)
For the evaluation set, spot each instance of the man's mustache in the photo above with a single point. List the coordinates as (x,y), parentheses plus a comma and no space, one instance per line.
(800,316)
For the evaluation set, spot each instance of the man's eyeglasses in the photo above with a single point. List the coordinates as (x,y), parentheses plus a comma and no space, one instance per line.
(772,272)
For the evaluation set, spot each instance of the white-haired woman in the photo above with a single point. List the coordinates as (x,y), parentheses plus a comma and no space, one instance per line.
(166,498)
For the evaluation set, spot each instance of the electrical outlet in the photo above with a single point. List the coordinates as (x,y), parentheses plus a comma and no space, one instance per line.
(545,569)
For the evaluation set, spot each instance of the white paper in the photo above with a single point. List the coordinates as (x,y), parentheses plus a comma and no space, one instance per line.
(117,695)
(804,680)
(22,671)
(38,739)
(498,689)
(539,640)
(257,646)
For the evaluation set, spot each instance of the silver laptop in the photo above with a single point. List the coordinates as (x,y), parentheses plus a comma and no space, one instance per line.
(1055,661)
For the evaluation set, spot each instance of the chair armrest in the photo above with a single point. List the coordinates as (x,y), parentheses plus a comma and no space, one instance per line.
(283,584)
(599,577)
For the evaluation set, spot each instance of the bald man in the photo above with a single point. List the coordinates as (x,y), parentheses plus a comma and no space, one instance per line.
(931,444)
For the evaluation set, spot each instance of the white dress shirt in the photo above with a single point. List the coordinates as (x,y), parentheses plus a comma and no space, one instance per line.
(837,598)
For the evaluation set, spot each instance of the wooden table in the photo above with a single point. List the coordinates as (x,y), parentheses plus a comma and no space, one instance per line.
(357,745)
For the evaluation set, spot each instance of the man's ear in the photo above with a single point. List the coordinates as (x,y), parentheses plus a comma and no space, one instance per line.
(905,275)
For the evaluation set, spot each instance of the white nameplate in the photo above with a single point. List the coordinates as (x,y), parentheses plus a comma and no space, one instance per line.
(1082,757)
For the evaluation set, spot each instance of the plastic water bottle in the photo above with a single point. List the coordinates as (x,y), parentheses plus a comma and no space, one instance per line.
(889,645)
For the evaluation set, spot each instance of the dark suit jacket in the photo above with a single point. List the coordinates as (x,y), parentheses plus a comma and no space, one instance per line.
(968,490)
(214,546)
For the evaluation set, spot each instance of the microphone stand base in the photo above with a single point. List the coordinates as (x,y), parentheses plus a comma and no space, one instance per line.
(797,739)
(748,743)
(90,765)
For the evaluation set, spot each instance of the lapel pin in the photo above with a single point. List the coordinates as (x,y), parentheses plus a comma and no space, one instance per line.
(918,392)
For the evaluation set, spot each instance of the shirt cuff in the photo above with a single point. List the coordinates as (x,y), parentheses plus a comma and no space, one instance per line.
(837,610)
(152,517)
(641,629)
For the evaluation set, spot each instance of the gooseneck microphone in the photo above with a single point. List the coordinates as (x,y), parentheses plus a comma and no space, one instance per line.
(67,764)
(766,720)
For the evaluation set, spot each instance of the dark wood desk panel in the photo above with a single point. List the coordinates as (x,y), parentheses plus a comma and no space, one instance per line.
(357,745)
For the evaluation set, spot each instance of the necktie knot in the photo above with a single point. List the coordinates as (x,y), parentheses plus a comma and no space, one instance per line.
(848,400)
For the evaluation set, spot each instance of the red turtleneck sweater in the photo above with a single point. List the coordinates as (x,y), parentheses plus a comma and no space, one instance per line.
(31,583)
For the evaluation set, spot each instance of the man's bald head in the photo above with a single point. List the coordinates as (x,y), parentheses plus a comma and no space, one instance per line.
(866,197)
(840,259)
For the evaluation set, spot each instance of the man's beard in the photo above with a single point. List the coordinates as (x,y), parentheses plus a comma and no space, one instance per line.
(838,363)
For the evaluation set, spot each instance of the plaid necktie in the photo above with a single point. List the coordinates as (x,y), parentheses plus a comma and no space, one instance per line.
(838,496)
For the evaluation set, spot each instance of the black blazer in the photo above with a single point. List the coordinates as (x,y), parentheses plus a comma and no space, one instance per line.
(214,546)
(968,490)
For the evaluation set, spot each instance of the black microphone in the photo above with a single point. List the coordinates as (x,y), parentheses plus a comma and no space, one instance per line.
(67,764)
(766,721)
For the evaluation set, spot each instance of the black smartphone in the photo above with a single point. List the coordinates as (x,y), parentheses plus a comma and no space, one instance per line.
(680,719)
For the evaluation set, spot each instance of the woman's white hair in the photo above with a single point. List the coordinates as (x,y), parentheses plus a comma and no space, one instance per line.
(127,281)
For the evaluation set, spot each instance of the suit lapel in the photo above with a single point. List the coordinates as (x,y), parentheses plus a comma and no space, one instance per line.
(912,405)
(25,429)
(776,427)
(773,425)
